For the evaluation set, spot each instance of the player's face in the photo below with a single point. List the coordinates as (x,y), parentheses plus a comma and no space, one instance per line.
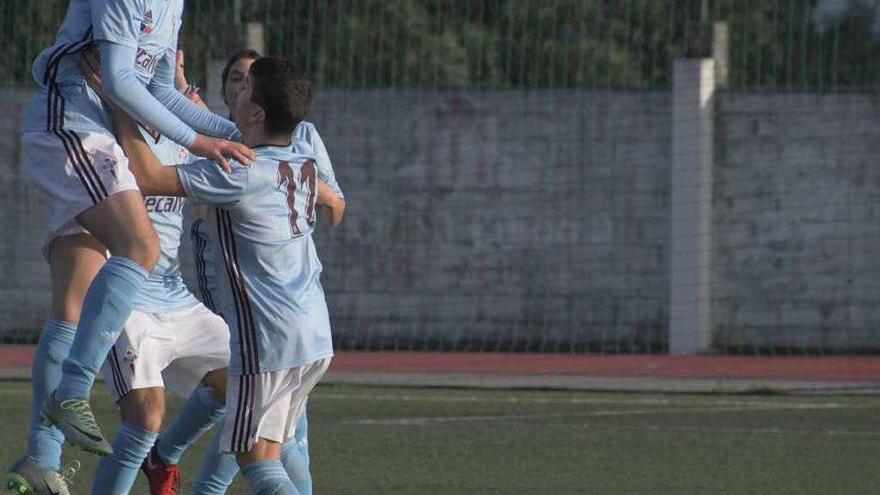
(235,80)
(242,107)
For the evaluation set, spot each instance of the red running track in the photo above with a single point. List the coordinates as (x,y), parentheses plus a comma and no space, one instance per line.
(854,369)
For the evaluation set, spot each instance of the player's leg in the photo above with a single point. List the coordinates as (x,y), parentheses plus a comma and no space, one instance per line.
(200,413)
(199,373)
(256,436)
(119,220)
(295,455)
(74,261)
(141,411)
(86,176)
(121,223)
(133,374)
(218,470)
(256,426)
(262,468)
(295,451)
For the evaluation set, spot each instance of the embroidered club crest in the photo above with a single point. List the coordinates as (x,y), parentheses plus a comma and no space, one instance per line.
(107,163)
(130,357)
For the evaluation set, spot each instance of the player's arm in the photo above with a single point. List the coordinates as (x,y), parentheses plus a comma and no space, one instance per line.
(332,201)
(203,180)
(309,134)
(309,142)
(153,178)
(198,117)
(116,27)
(160,109)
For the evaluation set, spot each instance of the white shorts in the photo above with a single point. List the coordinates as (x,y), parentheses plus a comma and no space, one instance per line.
(267,405)
(172,350)
(77,169)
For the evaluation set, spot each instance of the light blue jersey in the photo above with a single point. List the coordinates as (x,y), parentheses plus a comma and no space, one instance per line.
(268,271)
(202,252)
(150,26)
(141,42)
(307,132)
(165,290)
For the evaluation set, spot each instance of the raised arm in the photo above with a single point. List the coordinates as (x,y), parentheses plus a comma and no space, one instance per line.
(153,178)
(199,118)
(122,86)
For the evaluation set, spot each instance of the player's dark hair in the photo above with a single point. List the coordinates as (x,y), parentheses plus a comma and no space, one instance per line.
(239,55)
(282,91)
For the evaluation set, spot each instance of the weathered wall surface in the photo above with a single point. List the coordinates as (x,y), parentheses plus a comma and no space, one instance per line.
(540,220)
(797,221)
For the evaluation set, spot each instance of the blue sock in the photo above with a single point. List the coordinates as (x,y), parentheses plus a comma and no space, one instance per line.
(268,478)
(217,471)
(116,473)
(295,456)
(219,468)
(44,442)
(198,415)
(106,308)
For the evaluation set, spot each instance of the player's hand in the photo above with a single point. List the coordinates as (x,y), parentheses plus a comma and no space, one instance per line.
(220,149)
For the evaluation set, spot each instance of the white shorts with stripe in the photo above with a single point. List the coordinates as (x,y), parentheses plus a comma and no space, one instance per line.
(172,350)
(77,169)
(267,405)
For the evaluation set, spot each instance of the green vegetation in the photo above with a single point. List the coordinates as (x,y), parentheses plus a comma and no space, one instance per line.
(505,43)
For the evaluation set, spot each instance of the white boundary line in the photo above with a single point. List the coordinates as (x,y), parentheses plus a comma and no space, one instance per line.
(724,429)
(622,400)
(427,420)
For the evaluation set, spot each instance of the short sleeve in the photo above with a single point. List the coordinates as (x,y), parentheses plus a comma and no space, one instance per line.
(308,133)
(205,182)
(117,21)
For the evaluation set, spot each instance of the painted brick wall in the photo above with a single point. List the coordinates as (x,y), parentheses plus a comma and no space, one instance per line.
(540,219)
(797,221)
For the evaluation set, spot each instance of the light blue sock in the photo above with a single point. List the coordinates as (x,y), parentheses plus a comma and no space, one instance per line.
(217,471)
(106,308)
(44,442)
(198,415)
(268,478)
(295,456)
(116,473)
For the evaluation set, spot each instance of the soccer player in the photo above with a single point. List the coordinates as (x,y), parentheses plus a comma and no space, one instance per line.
(170,341)
(219,470)
(69,151)
(269,289)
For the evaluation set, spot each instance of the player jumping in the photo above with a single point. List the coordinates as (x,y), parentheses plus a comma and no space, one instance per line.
(95,205)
